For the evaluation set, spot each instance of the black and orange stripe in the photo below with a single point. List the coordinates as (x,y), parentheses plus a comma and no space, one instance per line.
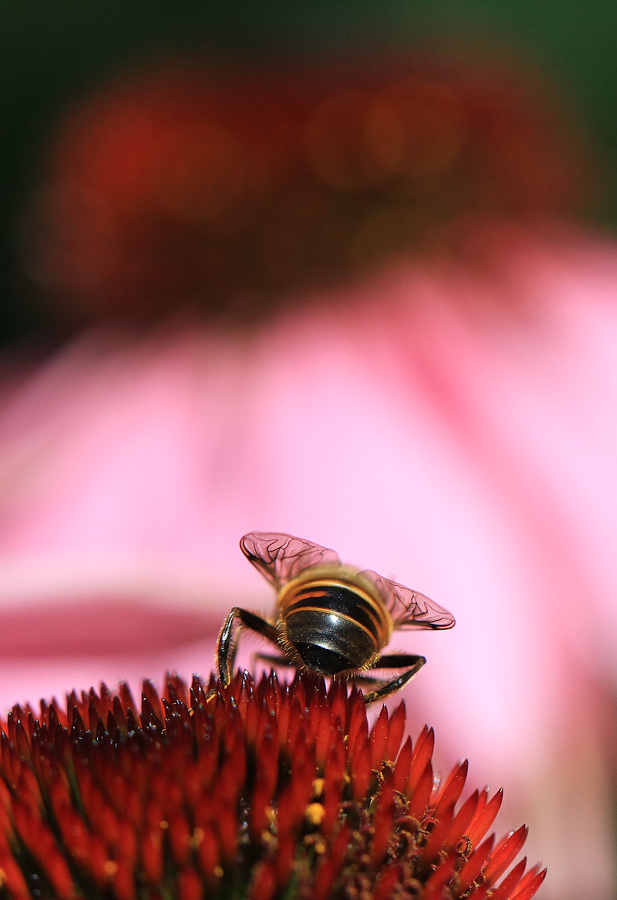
(340,598)
(345,626)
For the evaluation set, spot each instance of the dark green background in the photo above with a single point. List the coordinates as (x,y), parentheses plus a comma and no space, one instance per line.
(51,52)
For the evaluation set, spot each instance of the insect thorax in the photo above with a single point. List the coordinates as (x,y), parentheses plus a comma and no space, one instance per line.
(335,621)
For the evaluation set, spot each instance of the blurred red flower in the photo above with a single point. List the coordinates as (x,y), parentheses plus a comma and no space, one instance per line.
(230,188)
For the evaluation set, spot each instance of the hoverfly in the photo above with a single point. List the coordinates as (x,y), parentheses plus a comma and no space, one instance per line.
(331,618)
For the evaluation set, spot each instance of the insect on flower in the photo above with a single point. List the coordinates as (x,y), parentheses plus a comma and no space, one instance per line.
(331,618)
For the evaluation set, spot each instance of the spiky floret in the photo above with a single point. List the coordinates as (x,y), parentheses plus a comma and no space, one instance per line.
(264,791)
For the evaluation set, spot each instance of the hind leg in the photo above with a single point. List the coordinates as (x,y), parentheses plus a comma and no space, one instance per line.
(412,664)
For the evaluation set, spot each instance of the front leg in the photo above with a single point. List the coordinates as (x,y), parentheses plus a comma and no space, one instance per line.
(226,646)
(394,661)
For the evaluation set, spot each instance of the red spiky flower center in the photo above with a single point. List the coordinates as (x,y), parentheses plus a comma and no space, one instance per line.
(262,791)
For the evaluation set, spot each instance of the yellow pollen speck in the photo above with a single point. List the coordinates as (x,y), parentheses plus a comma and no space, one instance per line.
(3,878)
(314,813)
(271,815)
(320,847)
(318,785)
(164,824)
(110,867)
(197,837)
(218,871)
(464,846)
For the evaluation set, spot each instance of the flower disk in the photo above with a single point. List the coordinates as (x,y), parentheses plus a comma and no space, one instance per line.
(261,791)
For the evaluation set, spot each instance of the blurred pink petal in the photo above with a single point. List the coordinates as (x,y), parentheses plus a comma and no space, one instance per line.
(450,425)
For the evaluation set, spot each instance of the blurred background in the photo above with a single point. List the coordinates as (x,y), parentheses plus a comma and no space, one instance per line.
(343,270)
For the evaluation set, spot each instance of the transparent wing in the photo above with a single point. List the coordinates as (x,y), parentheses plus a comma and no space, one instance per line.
(408,608)
(280,557)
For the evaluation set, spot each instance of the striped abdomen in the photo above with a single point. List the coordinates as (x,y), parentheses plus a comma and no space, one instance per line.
(332,625)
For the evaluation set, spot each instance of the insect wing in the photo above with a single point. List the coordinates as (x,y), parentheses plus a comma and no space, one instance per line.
(410,609)
(281,557)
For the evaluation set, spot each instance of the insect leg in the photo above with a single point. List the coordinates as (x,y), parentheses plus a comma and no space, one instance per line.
(398,661)
(394,661)
(274,659)
(226,645)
